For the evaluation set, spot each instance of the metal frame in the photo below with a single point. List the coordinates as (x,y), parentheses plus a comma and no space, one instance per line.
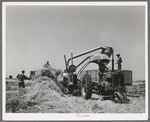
(84,53)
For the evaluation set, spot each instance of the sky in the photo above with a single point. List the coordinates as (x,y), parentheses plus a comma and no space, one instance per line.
(36,34)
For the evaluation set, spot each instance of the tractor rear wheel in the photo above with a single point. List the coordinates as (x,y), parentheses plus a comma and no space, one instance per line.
(86,87)
(117,97)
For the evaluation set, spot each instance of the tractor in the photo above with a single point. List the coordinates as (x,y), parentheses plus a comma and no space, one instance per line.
(110,83)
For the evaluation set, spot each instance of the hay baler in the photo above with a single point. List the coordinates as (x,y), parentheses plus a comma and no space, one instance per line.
(110,83)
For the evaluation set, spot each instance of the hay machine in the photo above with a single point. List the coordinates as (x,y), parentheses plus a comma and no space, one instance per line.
(109,83)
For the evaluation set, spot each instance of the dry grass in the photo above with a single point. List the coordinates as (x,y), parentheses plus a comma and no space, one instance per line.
(44,96)
(136,90)
(50,99)
(43,88)
(78,105)
(17,104)
(15,83)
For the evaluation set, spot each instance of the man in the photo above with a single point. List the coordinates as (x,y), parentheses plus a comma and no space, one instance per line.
(119,61)
(65,74)
(101,69)
(47,63)
(21,78)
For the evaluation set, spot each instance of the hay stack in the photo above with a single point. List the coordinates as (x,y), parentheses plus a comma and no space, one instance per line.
(45,84)
(44,89)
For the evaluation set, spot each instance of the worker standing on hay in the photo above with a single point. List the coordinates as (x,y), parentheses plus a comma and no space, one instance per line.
(47,63)
(119,61)
(21,78)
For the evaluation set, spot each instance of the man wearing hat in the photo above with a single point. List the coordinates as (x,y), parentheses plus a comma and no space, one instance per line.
(119,61)
(21,78)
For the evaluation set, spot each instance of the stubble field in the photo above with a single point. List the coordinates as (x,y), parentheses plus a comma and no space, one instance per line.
(44,96)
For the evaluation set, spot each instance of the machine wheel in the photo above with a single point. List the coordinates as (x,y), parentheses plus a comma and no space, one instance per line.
(65,90)
(117,97)
(86,88)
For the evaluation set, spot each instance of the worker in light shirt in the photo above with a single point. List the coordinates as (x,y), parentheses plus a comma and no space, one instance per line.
(119,61)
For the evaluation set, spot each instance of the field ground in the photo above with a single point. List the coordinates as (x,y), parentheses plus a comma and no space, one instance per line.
(47,98)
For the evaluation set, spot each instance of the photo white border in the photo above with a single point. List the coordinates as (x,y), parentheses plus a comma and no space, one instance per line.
(71,116)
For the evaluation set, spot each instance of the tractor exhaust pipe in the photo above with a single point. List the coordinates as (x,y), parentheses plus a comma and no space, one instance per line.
(65,62)
(112,61)
(72,58)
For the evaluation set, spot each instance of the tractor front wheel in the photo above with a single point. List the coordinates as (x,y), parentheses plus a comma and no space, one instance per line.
(86,87)
(117,97)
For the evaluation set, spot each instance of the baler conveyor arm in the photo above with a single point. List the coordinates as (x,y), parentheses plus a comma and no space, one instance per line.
(84,53)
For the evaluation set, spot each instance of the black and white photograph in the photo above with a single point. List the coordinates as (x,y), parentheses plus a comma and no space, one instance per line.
(75,61)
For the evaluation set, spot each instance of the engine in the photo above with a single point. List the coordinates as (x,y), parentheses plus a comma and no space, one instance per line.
(112,82)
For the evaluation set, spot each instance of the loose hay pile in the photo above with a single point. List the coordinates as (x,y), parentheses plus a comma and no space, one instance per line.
(43,89)
(48,95)
(45,86)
